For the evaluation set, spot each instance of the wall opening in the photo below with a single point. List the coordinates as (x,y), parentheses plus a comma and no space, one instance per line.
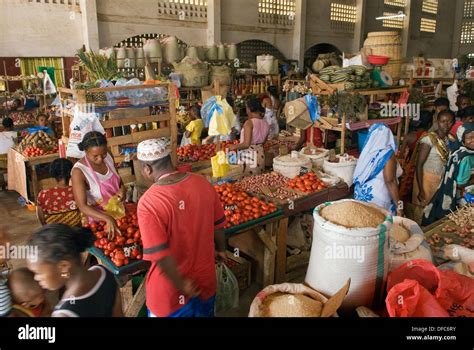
(138,40)
(313,52)
(250,49)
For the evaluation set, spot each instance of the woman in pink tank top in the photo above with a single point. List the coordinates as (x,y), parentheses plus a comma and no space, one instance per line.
(254,135)
(95,181)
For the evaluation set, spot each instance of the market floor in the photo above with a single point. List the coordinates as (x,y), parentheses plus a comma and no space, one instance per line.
(17,221)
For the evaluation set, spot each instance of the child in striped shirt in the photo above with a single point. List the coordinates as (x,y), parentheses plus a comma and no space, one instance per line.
(5,294)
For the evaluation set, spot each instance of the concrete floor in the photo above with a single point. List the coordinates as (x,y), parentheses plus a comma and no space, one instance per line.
(17,221)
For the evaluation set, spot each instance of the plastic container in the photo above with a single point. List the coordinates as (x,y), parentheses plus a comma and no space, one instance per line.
(378,60)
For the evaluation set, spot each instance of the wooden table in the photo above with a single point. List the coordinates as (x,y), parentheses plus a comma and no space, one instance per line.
(22,175)
(271,237)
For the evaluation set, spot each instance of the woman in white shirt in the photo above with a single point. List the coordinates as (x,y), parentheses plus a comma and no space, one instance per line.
(7,137)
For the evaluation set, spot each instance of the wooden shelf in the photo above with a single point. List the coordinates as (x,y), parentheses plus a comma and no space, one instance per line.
(164,117)
(169,129)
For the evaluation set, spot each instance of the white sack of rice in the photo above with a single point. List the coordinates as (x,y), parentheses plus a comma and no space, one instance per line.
(353,215)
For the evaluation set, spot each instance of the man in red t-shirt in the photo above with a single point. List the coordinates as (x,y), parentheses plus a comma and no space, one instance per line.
(181,222)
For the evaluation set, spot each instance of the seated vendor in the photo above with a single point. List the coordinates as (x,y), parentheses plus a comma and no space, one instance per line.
(253,136)
(57,205)
(7,136)
(42,122)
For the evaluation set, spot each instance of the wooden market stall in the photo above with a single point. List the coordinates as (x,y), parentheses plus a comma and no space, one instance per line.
(321,88)
(22,174)
(127,124)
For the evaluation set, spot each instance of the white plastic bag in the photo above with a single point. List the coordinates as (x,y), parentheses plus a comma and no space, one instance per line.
(227,295)
(185,141)
(81,124)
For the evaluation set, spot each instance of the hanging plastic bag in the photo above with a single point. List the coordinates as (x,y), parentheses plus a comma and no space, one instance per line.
(81,124)
(313,107)
(185,141)
(115,208)
(218,116)
(220,166)
(227,295)
(451,294)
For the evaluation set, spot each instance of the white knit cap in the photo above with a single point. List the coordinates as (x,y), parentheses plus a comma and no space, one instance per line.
(153,150)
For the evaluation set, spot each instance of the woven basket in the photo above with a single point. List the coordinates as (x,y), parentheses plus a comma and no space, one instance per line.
(394,68)
(385,44)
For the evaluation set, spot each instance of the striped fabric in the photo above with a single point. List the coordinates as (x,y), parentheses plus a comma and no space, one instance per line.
(72,218)
(5,299)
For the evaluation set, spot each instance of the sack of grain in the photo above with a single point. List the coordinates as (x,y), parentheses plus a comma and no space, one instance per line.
(351,251)
(407,242)
(296,300)
(344,168)
(352,214)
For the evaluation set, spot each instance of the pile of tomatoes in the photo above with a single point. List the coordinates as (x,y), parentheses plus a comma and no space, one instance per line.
(195,153)
(31,151)
(239,207)
(120,250)
(307,183)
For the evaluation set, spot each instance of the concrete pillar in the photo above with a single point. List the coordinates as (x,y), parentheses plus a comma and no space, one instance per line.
(458,19)
(90,26)
(299,32)
(214,25)
(359,26)
(406,29)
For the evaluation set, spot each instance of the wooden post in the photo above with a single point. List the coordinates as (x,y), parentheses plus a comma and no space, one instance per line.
(281,250)
(343,134)
(268,256)
(311,141)
(137,302)
(6,78)
(34,182)
(173,126)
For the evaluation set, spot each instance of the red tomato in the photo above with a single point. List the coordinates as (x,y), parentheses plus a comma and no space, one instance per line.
(139,257)
(137,234)
(111,246)
(107,252)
